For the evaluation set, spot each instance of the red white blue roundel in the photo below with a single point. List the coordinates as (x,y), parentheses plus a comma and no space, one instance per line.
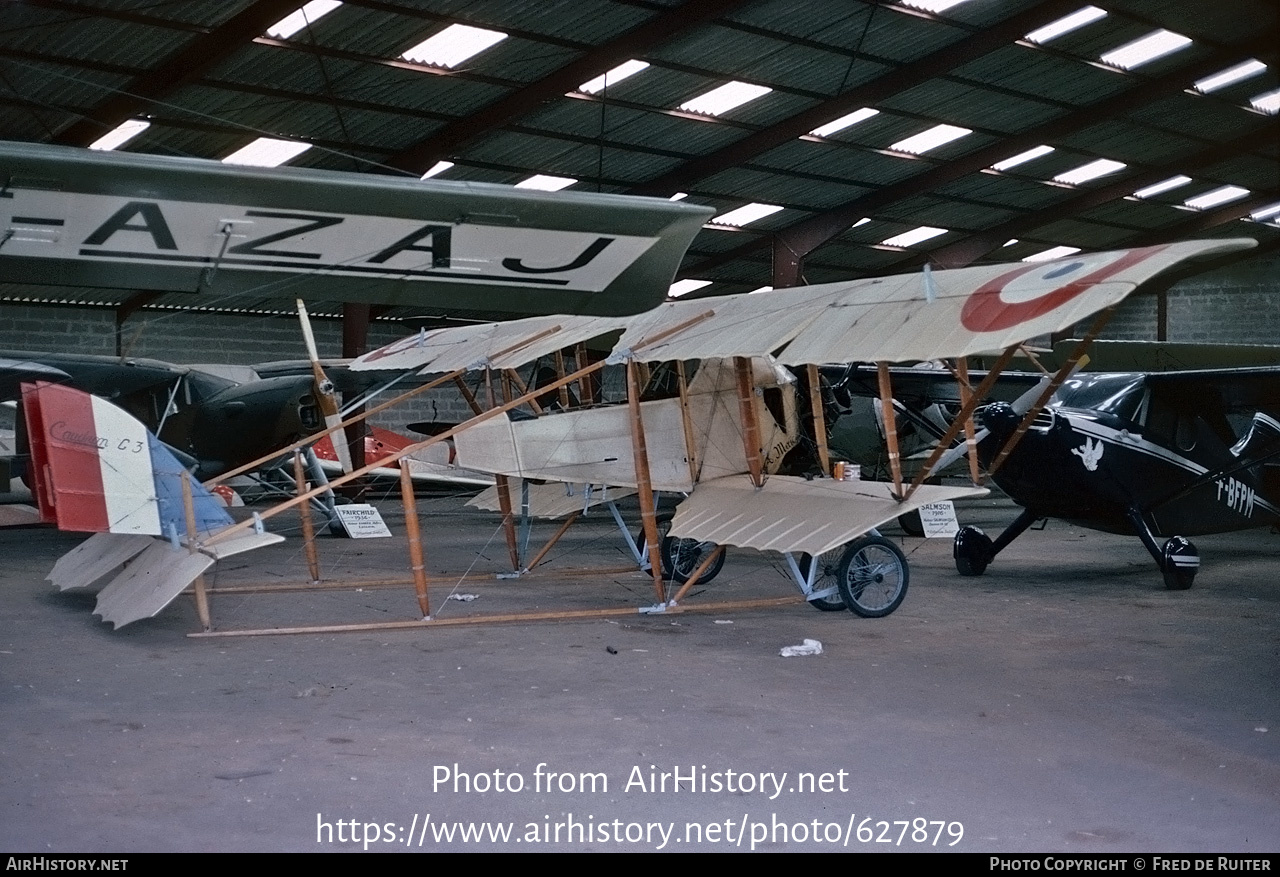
(1033,290)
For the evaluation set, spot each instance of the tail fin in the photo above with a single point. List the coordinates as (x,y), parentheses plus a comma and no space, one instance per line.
(97,469)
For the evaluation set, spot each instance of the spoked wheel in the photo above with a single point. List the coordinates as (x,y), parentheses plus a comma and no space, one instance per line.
(872,577)
(828,572)
(680,558)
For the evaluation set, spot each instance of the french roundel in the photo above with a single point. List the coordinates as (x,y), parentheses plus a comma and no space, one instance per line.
(1031,291)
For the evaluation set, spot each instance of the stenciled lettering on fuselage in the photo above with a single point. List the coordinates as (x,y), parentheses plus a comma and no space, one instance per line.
(1236,496)
(106,228)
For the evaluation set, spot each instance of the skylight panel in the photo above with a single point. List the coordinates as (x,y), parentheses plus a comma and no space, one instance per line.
(863,221)
(932,5)
(1143,50)
(1066,25)
(679,196)
(684,287)
(121,134)
(453,45)
(1220,195)
(761,289)
(267,152)
(846,121)
(1266,212)
(1268,102)
(437,169)
(1091,171)
(625,70)
(1238,73)
(546,183)
(300,18)
(743,215)
(719,101)
(1022,158)
(1052,253)
(913,237)
(939,135)
(1162,186)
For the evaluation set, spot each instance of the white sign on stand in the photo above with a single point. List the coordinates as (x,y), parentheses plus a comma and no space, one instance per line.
(361,521)
(939,519)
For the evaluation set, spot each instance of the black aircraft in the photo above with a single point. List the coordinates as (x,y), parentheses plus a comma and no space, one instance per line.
(1159,455)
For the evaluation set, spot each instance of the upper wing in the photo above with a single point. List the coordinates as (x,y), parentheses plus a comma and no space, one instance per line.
(910,317)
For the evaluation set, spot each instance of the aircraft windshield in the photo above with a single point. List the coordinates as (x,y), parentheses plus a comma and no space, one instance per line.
(1118,394)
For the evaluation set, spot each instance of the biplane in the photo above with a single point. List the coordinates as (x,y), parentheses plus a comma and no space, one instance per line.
(1157,455)
(727,417)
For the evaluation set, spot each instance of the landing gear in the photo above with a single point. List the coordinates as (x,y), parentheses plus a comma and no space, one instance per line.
(872,577)
(825,577)
(972,551)
(1180,562)
(680,558)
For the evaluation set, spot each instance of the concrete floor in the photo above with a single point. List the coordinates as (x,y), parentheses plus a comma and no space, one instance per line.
(1063,702)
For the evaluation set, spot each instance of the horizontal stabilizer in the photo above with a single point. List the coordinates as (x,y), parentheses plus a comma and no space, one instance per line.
(148,584)
(796,515)
(100,555)
(552,500)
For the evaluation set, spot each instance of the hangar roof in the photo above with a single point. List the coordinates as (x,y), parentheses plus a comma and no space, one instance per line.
(864,137)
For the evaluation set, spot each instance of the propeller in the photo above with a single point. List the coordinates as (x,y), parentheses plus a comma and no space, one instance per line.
(326,392)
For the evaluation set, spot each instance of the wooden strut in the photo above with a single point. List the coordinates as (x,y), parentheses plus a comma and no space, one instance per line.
(511,618)
(643,484)
(503,483)
(520,385)
(966,411)
(890,427)
(750,426)
(686,421)
(1061,375)
(188,506)
(564,528)
(970,433)
(563,391)
(308,528)
(416,556)
(819,418)
(698,573)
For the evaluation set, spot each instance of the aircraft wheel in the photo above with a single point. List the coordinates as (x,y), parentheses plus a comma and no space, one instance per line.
(1181,563)
(682,557)
(911,523)
(828,570)
(972,551)
(873,577)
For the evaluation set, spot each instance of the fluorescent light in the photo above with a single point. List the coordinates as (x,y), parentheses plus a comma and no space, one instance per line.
(684,287)
(1022,158)
(679,196)
(932,5)
(300,18)
(1054,253)
(915,236)
(1143,50)
(742,215)
(936,136)
(863,221)
(121,134)
(1074,21)
(267,152)
(1268,102)
(1091,171)
(546,183)
(720,100)
(1265,212)
(453,45)
(1162,186)
(437,169)
(1220,195)
(1009,243)
(761,289)
(1246,70)
(843,122)
(623,71)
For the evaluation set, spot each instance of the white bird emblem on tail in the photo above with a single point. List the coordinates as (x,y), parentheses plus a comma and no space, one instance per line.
(1090,452)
